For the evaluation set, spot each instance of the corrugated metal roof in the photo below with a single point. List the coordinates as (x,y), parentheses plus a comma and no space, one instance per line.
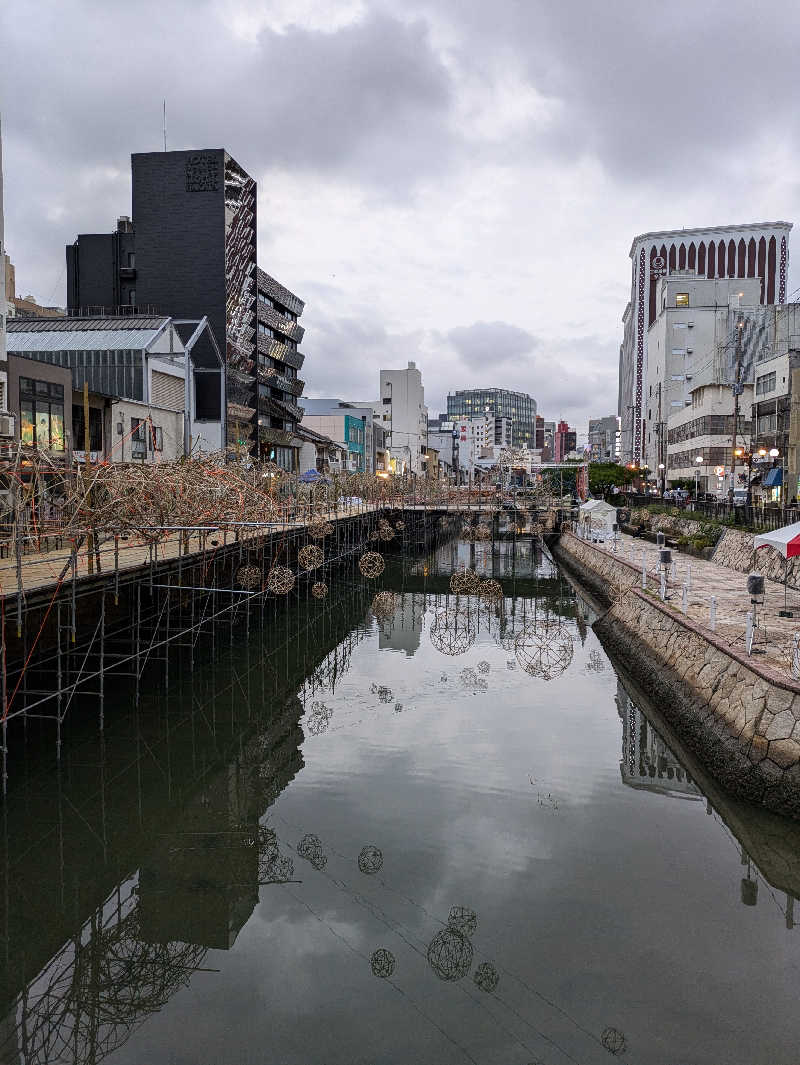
(117,335)
(69,323)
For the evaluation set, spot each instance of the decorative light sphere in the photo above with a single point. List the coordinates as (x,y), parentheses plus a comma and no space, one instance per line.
(462,919)
(383,605)
(318,719)
(310,850)
(450,954)
(544,650)
(370,860)
(319,589)
(613,1040)
(382,963)
(280,580)
(465,582)
(451,633)
(490,590)
(486,977)
(371,564)
(310,556)
(483,666)
(248,577)
(319,528)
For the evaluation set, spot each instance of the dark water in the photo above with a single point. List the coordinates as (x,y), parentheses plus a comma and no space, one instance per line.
(159,907)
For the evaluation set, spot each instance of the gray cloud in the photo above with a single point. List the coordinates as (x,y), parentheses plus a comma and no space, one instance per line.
(493,342)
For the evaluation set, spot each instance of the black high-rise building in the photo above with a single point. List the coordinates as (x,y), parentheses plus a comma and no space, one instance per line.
(190,250)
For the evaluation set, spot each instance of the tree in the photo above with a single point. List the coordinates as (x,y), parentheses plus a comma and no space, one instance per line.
(603,476)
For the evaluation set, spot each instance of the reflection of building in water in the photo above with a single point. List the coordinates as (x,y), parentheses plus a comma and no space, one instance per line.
(646,761)
(403,630)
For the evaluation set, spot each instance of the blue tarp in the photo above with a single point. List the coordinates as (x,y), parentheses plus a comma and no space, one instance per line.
(310,476)
(773,478)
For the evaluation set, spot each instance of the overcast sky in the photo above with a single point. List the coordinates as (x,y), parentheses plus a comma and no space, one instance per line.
(452,182)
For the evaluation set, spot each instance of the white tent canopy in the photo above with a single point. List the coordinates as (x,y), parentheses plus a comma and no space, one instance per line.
(786,541)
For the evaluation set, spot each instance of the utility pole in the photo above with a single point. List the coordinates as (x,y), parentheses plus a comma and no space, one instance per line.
(737,391)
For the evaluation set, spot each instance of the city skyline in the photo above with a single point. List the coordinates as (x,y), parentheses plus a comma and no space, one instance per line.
(396,173)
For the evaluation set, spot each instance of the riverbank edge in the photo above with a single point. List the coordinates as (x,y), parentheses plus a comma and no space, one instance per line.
(740,718)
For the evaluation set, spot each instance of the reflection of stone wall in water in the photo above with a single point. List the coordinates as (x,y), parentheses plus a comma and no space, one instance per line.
(646,760)
(403,630)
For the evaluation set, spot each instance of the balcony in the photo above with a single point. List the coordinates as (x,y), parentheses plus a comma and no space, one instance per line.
(276,436)
(293,385)
(273,349)
(274,319)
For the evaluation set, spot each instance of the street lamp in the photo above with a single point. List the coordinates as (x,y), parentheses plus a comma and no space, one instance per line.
(661,476)
(698,460)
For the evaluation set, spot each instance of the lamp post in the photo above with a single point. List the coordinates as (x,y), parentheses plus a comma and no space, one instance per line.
(662,477)
(773,454)
(698,460)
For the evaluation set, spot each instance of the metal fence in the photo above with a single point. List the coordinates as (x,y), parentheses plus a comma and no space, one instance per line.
(751,517)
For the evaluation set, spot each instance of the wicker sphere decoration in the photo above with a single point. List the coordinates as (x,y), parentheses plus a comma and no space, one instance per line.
(483,666)
(370,860)
(595,663)
(482,532)
(280,580)
(465,582)
(310,850)
(468,677)
(383,605)
(275,870)
(318,718)
(613,1040)
(310,556)
(462,919)
(248,577)
(385,531)
(490,590)
(374,535)
(486,977)
(452,632)
(399,525)
(382,963)
(385,695)
(544,650)
(319,589)
(450,954)
(319,528)
(371,564)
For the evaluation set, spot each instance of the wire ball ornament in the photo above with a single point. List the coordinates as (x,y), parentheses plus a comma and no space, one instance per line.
(595,663)
(310,556)
(383,605)
(450,954)
(490,590)
(319,528)
(452,632)
(544,650)
(468,677)
(248,577)
(310,850)
(613,1040)
(319,718)
(399,525)
(486,977)
(465,582)
(382,963)
(319,589)
(370,860)
(385,530)
(483,666)
(371,564)
(280,580)
(374,535)
(385,695)
(476,533)
(462,919)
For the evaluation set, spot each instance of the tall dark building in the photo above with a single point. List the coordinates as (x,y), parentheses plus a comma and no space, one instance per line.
(518,406)
(190,250)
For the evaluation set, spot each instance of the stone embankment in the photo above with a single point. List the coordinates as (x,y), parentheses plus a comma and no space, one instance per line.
(741,718)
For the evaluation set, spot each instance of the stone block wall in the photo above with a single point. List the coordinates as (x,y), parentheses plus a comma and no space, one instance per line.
(741,720)
(735,550)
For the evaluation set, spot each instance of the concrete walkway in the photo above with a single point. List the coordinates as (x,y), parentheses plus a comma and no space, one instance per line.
(705,579)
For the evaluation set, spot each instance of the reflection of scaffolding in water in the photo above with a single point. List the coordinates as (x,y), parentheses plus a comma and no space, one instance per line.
(89,998)
(647,762)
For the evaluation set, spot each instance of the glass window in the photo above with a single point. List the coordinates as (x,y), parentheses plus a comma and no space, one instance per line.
(95,428)
(681,299)
(41,414)
(766,383)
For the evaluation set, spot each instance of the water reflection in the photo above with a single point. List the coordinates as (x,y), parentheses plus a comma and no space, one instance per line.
(483,874)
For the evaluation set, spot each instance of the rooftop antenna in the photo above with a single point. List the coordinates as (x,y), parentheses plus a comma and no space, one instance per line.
(165,124)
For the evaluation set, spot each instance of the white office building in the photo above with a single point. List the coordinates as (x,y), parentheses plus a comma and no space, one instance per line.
(402,412)
(757,252)
(3,307)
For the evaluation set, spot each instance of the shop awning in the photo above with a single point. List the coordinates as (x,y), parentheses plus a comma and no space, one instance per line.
(773,478)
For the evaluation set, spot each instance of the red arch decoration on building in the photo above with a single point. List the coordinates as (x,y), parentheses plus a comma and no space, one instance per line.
(682,257)
(731,258)
(771,256)
(762,265)
(712,259)
(751,257)
(691,260)
(701,258)
(782,274)
(741,262)
(672,265)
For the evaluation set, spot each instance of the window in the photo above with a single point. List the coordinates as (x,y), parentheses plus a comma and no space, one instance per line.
(132,297)
(138,438)
(681,299)
(767,423)
(677,377)
(41,414)
(79,428)
(679,325)
(157,437)
(766,383)
(678,351)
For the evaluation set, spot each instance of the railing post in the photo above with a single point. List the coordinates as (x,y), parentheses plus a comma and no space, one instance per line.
(685,598)
(644,570)
(748,634)
(712,614)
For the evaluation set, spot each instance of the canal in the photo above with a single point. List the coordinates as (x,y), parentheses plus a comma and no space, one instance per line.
(340,843)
